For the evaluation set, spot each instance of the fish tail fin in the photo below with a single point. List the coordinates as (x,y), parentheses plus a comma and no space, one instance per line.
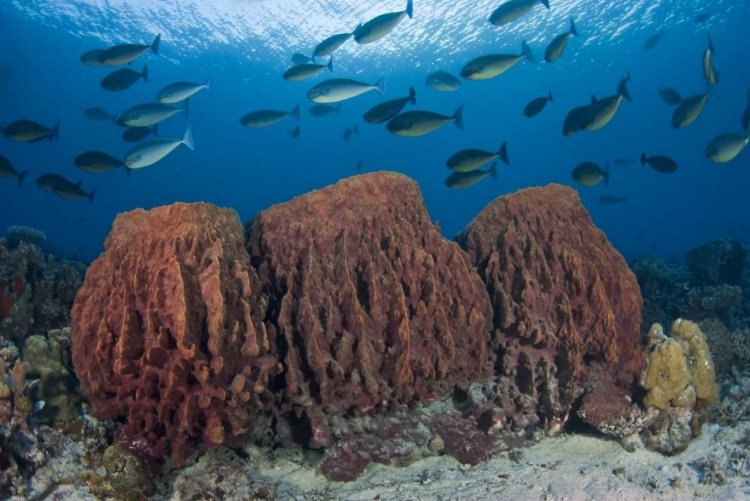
(412,95)
(606,173)
(545,3)
(409,9)
(21,177)
(155,130)
(356,129)
(330,64)
(187,139)
(493,170)
(458,117)
(573,30)
(55,132)
(145,73)
(337,109)
(550,97)
(155,44)
(186,108)
(503,153)
(526,50)
(209,84)
(91,196)
(380,86)
(643,158)
(295,112)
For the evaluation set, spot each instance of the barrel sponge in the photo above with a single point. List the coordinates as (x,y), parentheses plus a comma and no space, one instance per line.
(667,375)
(699,360)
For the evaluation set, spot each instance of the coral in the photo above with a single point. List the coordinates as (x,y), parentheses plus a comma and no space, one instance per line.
(741,345)
(563,298)
(128,474)
(664,286)
(699,360)
(721,261)
(372,309)
(55,383)
(167,330)
(680,369)
(18,234)
(719,341)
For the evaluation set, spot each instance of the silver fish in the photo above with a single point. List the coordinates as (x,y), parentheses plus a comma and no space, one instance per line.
(660,163)
(127,53)
(64,188)
(462,180)
(138,134)
(92,58)
(264,118)
(304,71)
(180,91)
(589,174)
(653,40)
(7,170)
(536,106)
(492,65)
(473,159)
(418,122)
(555,49)
(726,147)
(150,152)
(28,131)
(123,79)
(96,161)
(341,89)
(99,114)
(144,115)
(300,58)
(689,110)
(443,81)
(375,29)
(330,44)
(513,10)
(712,76)
(382,112)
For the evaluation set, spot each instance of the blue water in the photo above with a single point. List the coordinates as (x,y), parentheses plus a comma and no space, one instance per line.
(246,46)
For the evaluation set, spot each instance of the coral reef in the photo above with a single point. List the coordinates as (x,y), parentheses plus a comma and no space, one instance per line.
(372,309)
(167,330)
(719,340)
(664,288)
(18,234)
(567,307)
(718,262)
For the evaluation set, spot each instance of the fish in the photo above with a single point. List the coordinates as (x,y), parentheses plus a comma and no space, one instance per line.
(298,58)
(264,118)
(348,132)
(536,106)
(64,188)
(150,152)
(513,10)
(330,44)
(653,40)
(7,170)
(712,76)
(96,161)
(556,47)
(138,134)
(660,163)
(321,110)
(127,53)
(99,114)
(472,159)
(418,123)
(589,174)
(612,200)
(359,165)
(746,115)
(492,65)
(669,96)
(443,81)
(689,110)
(703,17)
(294,133)
(622,161)
(28,131)
(304,71)
(123,79)
(725,147)
(181,91)
(463,180)
(576,120)
(146,114)
(382,112)
(603,110)
(341,89)
(92,58)
(378,27)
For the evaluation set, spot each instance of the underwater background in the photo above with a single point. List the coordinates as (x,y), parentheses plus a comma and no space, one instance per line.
(245,46)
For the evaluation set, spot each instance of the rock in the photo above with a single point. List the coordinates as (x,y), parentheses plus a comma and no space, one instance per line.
(167,330)
(372,308)
(128,474)
(564,300)
(717,262)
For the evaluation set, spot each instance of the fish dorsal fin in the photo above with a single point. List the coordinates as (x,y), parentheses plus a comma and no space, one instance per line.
(593,99)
